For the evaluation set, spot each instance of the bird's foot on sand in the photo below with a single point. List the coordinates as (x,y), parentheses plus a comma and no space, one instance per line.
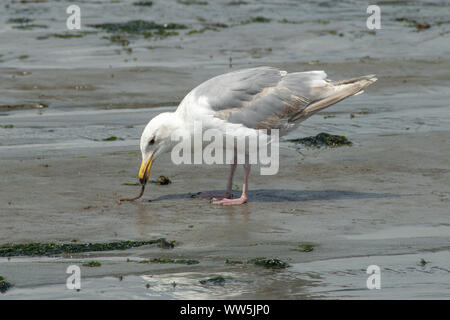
(212,196)
(230,202)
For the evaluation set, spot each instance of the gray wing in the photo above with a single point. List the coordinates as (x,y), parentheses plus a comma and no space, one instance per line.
(265,97)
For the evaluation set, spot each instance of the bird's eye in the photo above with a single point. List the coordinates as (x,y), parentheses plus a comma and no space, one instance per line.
(151,142)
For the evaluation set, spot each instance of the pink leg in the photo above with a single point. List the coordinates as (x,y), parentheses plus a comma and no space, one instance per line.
(227,194)
(244,196)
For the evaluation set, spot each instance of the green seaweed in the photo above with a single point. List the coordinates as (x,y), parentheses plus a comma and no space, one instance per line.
(217,25)
(19,20)
(268,263)
(7,126)
(147,29)
(92,264)
(45,249)
(440,23)
(30,26)
(289,21)
(24,106)
(195,31)
(423,262)
(117,38)
(323,140)
(143,3)
(162,33)
(66,35)
(4,285)
(148,35)
(111,138)
(193,2)
(25,24)
(258,19)
(394,2)
(163,243)
(236,3)
(322,21)
(335,33)
(168,260)
(131,184)
(208,27)
(363,111)
(218,281)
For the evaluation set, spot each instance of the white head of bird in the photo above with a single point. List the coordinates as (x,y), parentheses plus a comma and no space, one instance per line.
(156,140)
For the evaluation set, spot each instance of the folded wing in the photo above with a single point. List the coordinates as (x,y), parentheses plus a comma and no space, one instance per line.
(268,98)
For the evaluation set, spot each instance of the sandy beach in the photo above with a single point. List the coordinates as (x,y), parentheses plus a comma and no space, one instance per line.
(388,205)
(382,201)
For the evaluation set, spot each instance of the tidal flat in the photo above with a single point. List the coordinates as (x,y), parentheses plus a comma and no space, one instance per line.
(73,110)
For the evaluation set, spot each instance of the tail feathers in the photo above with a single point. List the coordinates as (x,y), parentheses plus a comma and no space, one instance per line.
(370,77)
(341,90)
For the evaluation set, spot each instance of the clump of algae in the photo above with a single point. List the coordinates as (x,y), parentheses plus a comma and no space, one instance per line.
(44,249)
(323,140)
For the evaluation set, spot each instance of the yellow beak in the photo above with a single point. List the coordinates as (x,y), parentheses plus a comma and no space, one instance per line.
(144,172)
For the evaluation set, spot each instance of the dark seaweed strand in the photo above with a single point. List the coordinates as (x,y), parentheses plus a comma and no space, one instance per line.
(4,285)
(132,199)
(268,263)
(323,140)
(43,249)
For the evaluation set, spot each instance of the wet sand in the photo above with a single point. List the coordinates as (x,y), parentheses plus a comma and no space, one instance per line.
(383,201)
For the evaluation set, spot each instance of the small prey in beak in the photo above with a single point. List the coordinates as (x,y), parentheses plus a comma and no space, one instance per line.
(144,173)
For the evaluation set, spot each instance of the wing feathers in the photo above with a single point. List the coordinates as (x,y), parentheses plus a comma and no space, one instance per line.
(266,97)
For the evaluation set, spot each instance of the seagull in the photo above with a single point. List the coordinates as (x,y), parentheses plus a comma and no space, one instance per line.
(245,101)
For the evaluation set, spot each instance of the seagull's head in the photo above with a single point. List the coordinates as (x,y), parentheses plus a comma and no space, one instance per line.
(156,140)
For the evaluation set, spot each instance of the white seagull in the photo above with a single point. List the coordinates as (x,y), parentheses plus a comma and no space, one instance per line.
(243,101)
